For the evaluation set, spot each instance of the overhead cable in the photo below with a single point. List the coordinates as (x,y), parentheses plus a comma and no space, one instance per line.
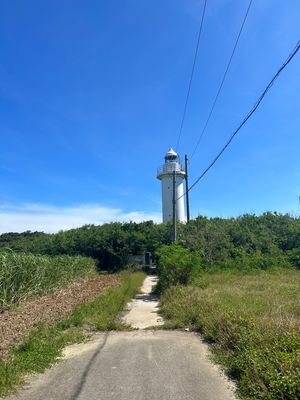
(254,108)
(191,76)
(223,80)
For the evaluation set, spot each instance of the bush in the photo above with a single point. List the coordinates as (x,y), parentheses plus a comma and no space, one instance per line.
(176,265)
(294,257)
(242,260)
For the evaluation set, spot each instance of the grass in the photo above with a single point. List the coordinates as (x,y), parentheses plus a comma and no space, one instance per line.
(26,275)
(252,321)
(45,344)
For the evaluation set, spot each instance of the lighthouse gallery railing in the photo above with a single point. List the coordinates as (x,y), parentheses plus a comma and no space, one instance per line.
(168,168)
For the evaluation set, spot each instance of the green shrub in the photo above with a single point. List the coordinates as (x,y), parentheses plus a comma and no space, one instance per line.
(176,265)
(242,260)
(294,257)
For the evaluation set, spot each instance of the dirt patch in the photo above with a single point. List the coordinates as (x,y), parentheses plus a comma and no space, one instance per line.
(16,324)
(77,349)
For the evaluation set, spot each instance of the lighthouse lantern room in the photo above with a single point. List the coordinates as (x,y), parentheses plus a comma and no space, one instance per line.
(165,175)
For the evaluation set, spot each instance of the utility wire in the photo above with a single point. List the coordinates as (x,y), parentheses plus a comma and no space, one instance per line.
(254,108)
(191,76)
(223,80)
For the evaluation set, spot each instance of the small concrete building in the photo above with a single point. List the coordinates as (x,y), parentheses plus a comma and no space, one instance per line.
(140,259)
(165,175)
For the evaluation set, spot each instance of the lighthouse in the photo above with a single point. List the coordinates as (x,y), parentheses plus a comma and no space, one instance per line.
(165,175)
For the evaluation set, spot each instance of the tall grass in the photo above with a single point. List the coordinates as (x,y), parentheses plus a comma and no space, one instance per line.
(253,323)
(25,275)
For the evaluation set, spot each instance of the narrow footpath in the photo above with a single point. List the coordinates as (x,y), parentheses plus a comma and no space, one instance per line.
(143,364)
(143,309)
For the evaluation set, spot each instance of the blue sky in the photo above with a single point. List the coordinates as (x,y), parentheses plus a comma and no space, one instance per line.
(91,97)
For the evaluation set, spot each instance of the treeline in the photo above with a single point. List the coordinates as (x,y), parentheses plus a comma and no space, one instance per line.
(109,244)
(248,241)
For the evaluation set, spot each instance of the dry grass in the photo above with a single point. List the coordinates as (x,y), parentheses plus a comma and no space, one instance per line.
(15,324)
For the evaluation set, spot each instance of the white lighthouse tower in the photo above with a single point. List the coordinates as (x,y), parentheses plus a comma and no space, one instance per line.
(165,175)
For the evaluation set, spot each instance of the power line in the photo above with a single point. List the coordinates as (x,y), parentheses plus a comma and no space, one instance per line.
(191,76)
(254,108)
(223,80)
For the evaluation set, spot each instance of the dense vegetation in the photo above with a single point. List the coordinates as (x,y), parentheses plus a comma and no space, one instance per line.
(246,242)
(24,275)
(109,244)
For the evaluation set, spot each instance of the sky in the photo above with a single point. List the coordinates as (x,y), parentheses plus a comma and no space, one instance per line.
(92,95)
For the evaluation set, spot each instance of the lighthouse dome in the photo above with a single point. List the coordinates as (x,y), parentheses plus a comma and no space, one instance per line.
(171,155)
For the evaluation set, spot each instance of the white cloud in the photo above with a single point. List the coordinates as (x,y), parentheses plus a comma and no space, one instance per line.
(47,218)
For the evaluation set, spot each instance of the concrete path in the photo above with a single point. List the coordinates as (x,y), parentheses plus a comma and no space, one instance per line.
(137,365)
(142,310)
